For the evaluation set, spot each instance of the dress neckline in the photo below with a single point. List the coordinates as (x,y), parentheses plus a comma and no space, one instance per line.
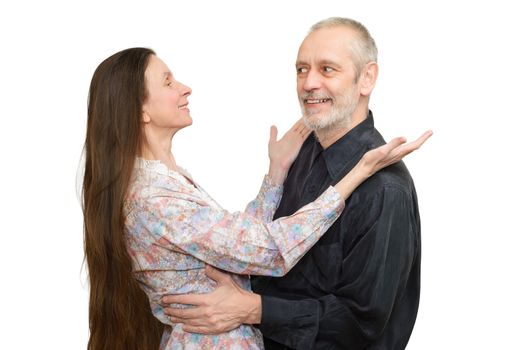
(161,168)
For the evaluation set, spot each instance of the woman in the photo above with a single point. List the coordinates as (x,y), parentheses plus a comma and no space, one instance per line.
(150,228)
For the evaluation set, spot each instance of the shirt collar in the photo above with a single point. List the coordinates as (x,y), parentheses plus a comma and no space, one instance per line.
(347,151)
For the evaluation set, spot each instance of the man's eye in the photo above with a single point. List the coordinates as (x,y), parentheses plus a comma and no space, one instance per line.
(169,83)
(328,69)
(301,70)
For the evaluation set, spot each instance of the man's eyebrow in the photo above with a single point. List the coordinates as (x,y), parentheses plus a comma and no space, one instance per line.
(329,63)
(322,62)
(167,74)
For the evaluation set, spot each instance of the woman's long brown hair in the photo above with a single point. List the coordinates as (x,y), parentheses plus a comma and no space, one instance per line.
(120,317)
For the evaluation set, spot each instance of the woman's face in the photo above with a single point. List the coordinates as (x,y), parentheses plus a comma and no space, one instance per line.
(166,105)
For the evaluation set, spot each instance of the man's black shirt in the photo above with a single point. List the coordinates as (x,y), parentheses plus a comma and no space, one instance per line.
(358,287)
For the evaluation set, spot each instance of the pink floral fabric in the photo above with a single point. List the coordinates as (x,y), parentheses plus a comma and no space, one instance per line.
(173,228)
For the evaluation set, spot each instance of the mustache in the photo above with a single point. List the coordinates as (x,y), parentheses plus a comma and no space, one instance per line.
(315,96)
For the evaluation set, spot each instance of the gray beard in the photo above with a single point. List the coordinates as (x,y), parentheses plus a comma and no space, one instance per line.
(338,117)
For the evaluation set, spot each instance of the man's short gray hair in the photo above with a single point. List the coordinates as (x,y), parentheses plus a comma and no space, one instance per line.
(363,50)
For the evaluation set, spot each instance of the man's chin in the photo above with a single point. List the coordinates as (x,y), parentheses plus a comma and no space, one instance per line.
(314,121)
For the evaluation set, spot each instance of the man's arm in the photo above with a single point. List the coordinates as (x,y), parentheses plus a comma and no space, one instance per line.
(355,313)
(373,276)
(222,310)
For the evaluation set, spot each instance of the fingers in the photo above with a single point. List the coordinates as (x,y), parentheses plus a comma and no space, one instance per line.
(217,275)
(197,329)
(273,132)
(414,145)
(194,320)
(392,145)
(194,325)
(392,152)
(305,132)
(401,150)
(420,141)
(205,329)
(189,299)
(298,124)
(409,147)
(423,138)
(301,128)
(183,314)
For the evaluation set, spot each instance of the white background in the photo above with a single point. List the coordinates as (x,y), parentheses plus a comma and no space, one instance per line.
(453,66)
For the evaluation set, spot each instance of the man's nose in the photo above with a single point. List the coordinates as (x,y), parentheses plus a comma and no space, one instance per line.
(313,81)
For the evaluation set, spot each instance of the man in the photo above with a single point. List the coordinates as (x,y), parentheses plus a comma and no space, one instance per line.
(358,287)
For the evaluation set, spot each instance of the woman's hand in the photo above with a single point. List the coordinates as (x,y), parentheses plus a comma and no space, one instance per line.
(283,153)
(390,153)
(377,159)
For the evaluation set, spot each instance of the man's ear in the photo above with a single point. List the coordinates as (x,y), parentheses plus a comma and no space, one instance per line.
(368,78)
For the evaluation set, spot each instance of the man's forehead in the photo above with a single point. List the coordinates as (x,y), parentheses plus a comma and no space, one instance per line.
(329,39)
(319,50)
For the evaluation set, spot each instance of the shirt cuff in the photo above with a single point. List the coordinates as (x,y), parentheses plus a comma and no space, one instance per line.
(269,183)
(332,197)
(293,323)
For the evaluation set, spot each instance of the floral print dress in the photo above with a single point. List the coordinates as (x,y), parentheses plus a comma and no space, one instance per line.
(173,228)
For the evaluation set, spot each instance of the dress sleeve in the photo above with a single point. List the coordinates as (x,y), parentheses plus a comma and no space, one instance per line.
(265,204)
(236,242)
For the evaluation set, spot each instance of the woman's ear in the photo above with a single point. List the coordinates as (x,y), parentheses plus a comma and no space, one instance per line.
(368,78)
(145,117)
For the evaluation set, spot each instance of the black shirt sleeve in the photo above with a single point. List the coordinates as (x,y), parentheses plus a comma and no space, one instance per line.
(373,276)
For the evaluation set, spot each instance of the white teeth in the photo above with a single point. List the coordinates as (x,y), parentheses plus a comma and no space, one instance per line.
(317,101)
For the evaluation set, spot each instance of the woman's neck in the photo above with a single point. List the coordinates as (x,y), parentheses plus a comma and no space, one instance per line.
(156,147)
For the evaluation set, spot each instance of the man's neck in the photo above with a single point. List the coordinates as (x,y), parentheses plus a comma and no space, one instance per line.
(327,137)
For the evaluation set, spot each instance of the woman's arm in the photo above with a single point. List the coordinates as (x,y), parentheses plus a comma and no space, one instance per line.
(282,154)
(243,244)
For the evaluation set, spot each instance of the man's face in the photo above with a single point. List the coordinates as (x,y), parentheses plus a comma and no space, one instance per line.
(326,78)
